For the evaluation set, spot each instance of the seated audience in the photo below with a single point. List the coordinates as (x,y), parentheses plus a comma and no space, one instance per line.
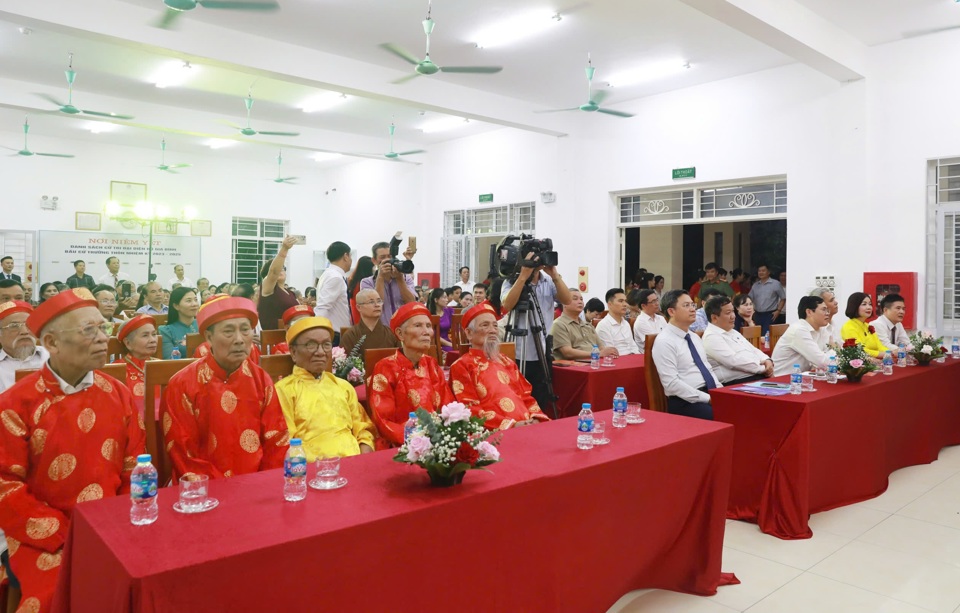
(658,283)
(71,435)
(320,409)
(47,291)
(743,308)
(369,332)
(859,310)
(633,304)
(479,293)
(409,379)
(466,300)
(437,304)
(18,347)
(181,320)
(732,358)
(801,343)
(682,361)
(649,321)
(828,333)
(574,339)
(11,290)
(138,336)
(614,329)
(592,310)
(107,302)
(453,296)
(889,325)
(700,322)
(212,399)
(153,300)
(489,383)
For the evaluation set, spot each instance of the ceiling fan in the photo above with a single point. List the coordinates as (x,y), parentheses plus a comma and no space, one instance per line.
(248,131)
(279,179)
(392,155)
(426,65)
(594,100)
(26,150)
(176,8)
(68,108)
(163,164)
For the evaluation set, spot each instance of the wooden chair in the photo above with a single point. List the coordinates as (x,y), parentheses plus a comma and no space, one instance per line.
(752,334)
(435,322)
(117,371)
(128,313)
(158,373)
(281,325)
(269,338)
(658,399)
(599,317)
(457,334)
(194,340)
(281,365)
(160,320)
(776,331)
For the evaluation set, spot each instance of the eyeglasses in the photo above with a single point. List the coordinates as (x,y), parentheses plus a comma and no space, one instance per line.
(90,332)
(377,302)
(312,346)
(17,325)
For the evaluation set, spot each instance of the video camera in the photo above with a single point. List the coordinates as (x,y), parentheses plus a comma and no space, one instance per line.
(516,252)
(404,266)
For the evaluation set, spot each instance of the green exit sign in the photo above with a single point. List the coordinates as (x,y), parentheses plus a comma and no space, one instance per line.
(685,173)
(486,197)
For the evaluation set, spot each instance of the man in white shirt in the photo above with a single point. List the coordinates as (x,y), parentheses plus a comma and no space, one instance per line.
(889,325)
(18,348)
(154,300)
(800,344)
(465,285)
(179,278)
(333,302)
(828,334)
(732,358)
(614,329)
(113,275)
(682,361)
(649,321)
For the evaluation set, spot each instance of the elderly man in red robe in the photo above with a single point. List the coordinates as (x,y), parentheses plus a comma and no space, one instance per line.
(69,434)
(409,379)
(489,383)
(221,416)
(203,349)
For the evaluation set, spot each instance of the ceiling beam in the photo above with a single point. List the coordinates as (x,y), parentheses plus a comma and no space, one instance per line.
(794,30)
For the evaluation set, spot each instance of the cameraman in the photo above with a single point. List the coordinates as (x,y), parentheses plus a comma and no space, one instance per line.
(546,286)
(395,288)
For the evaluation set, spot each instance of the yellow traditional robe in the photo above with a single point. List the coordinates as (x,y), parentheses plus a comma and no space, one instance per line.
(324,413)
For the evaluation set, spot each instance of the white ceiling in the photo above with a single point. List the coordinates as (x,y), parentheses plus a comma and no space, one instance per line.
(312,46)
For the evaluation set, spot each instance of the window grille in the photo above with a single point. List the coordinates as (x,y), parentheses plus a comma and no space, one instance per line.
(254,242)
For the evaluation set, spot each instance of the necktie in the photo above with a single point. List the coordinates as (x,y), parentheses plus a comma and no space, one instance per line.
(707,377)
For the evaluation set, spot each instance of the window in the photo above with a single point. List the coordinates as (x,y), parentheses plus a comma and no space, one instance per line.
(943,245)
(468,234)
(707,202)
(254,242)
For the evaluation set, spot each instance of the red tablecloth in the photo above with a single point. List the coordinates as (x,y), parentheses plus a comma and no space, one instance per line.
(553,528)
(577,384)
(797,455)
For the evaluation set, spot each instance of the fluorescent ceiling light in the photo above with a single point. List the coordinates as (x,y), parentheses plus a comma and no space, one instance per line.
(99,127)
(322,102)
(325,156)
(524,25)
(648,72)
(220,143)
(173,74)
(443,124)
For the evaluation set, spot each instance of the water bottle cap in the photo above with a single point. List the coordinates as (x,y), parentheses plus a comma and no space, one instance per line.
(585,406)
(619,389)
(796,366)
(143,457)
(295,442)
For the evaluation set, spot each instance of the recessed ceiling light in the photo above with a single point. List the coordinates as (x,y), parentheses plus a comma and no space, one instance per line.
(648,72)
(220,143)
(322,102)
(325,156)
(525,25)
(443,124)
(25,30)
(173,74)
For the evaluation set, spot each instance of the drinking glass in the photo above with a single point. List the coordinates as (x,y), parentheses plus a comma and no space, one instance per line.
(193,492)
(633,413)
(607,360)
(806,383)
(599,432)
(328,471)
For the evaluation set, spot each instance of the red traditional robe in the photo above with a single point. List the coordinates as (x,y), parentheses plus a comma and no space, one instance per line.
(494,390)
(203,349)
(397,389)
(57,451)
(136,383)
(223,425)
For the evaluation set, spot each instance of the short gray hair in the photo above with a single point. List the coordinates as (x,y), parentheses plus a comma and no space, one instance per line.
(366,294)
(820,291)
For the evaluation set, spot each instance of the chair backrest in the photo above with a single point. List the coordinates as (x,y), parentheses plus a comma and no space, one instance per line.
(160,320)
(281,325)
(269,338)
(117,371)
(280,365)
(658,399)
(752,334)
(776,331)
(128,313)
(457,335)
(194,340)
(157,374)
(599,317)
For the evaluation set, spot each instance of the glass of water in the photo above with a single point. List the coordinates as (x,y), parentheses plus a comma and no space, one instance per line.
(806,383)
(600,432)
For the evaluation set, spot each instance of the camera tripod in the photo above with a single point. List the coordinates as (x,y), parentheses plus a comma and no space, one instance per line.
(525,323)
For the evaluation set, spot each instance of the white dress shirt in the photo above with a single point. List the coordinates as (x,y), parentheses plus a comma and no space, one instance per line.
(112,279)
(826,336)
(67,389)
(332,301)
(731,355)
(800,344)
(10,365)
(184,282)
(466,286)
(679,374)
(618,335)
(885,328)
(647,325)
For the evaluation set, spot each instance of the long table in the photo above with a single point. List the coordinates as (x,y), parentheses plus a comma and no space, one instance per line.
(551,528)
(797,455)
(578,383)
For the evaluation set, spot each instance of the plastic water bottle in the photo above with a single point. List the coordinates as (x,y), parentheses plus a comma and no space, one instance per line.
(143,492)
(766,340)
(832,369)
(585,428)
(595,358)
(796,381)
(620,409)
(955,348)
(295,472)
(175,352)
(901,355)
(409,426)
(888,362)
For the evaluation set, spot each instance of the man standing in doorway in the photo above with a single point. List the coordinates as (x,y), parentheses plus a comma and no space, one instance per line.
(333,300)
(768,298)
(465,284)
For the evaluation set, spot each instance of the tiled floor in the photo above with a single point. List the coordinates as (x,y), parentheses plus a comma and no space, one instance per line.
(897,553)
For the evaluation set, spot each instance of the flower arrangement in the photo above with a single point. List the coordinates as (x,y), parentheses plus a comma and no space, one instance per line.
(925,348)
(349,367)
(853,361)
(449,443)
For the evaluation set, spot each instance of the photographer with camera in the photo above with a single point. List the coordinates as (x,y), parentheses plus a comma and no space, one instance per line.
(546,286)
(391,277)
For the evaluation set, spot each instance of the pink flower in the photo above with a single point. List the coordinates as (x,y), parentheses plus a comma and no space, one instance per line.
(417,447)
(856,363)
(488,451)
(354,375)
(454,412)
(338,353)
(926,350)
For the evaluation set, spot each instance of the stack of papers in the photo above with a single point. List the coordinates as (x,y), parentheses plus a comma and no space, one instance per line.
(763,388)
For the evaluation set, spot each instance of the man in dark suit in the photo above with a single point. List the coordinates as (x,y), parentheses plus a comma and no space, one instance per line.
(6,263)
(80,278)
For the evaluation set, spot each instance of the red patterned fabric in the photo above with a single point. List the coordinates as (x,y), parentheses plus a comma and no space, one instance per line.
(223,425)
(397,389)
(494,390)
(57,451)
